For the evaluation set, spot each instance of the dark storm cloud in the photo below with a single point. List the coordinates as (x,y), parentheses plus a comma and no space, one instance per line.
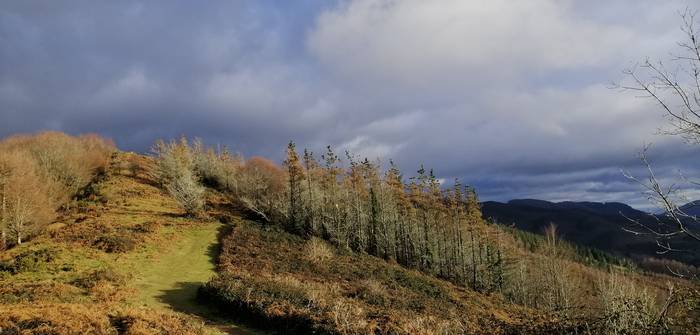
(475,89)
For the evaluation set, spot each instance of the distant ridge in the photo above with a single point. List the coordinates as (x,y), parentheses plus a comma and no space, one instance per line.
(612,208)
(692,208)
(594,224)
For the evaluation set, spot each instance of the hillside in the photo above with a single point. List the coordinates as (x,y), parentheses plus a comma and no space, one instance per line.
(137,255)
(598,225)
(307,286)
(125,262)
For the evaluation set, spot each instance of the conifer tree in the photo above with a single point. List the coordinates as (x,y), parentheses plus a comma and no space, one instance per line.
(330,211)
(418,224)
(310,165)
(296,176)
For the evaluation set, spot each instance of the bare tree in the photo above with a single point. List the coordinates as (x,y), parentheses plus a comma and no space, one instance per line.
(675,86)
(25,203)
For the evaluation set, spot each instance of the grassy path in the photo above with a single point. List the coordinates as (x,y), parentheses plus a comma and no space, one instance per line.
(170,278)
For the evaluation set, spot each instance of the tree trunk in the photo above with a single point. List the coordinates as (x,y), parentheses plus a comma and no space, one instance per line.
(473,261)
(3,216)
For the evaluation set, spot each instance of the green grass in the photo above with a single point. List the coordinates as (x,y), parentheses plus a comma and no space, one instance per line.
(170,258)
(169,278)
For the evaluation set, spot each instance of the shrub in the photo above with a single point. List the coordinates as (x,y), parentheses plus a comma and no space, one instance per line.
(175,172)
(317,250)
(374,293)
(43,291)
(146,227)
(93,319)
(278,302)
(187,192)
(96,277)
(627,309)
(115,243)
(28,261)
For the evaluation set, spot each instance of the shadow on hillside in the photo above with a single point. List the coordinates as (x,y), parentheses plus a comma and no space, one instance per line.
(183,297)
(147,212)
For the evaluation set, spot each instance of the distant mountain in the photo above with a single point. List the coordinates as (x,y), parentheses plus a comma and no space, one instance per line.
(595,224)
(608,208)
(692,208)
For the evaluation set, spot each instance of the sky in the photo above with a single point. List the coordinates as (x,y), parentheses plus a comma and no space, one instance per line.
(513,97)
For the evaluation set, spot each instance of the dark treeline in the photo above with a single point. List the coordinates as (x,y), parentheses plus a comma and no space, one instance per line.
(582,254)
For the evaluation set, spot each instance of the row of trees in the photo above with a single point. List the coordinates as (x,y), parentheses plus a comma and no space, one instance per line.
(415,223)
(41,173)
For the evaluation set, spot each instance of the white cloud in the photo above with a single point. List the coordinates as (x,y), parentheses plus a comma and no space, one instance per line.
(492,85)
(415,42)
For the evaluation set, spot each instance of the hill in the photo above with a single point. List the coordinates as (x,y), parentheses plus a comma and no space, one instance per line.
(109,264)
(598,225)
(134,251)
(692,208)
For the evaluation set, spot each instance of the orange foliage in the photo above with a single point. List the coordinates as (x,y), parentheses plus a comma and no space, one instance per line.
(267,170)
(42,172)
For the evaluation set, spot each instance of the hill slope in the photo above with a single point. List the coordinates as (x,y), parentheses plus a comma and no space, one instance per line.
(307,286)
(127,260)
(113,264)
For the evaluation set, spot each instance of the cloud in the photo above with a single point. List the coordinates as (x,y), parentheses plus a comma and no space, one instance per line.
(427,43)
(510,96)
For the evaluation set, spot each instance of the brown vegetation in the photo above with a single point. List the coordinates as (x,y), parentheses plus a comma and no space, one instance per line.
(76,277)
(92,319)
(40,174)
(270,277)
